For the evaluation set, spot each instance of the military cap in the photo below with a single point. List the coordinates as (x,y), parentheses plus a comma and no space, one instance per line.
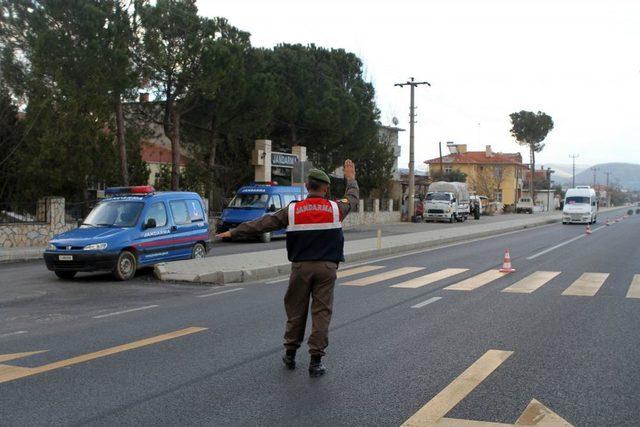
(319,175)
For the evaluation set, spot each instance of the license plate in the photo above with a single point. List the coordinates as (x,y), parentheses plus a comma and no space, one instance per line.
(65,257)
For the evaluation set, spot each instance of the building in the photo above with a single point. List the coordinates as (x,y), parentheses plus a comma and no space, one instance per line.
(495,175)
(388,135)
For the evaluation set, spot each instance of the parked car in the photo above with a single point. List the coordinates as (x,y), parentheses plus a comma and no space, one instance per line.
(134,227)
(524,205)
(253,201)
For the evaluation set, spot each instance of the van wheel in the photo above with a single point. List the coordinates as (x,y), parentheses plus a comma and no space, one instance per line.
(65,275)
(198,251)
(265,237)
(125,267)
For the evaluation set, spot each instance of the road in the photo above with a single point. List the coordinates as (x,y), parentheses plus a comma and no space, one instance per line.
(356,233)
(419,337)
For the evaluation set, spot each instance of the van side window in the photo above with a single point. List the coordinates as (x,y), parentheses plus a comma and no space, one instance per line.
(158,212)
(288,198)
(180,212)
(275,201)
(195,211)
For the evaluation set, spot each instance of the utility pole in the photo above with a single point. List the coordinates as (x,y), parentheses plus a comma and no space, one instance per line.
(441,168)
(412,178)
(574,157)
(594,169)
(607,173)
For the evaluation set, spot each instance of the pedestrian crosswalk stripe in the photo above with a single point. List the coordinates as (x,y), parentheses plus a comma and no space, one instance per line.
(476,281)
(358,270)
(430,278)
(531,282)
(586,285)
(634,289)
(369,280)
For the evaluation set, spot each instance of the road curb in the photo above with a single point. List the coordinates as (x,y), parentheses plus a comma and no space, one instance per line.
(219,277)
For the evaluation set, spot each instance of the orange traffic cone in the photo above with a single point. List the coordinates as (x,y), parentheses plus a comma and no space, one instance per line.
(588,231)
(506,264)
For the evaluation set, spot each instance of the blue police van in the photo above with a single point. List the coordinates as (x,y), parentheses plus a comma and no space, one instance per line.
(253,201)
(134,227)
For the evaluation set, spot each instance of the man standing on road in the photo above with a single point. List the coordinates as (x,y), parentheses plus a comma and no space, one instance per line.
(315,246)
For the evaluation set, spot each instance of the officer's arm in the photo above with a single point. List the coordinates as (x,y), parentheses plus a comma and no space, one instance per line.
(350,200)
(271,222)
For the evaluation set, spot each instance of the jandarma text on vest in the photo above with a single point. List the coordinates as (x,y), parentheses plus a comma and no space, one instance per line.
(313,207)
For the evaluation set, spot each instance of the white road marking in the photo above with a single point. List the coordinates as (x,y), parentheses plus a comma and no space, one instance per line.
(427,302)
(12,334)
(586,285)
(532,282)
(477,281)
(563,243)
(125,311)
(634,289)
(220,293)
(429,278)
(555,247)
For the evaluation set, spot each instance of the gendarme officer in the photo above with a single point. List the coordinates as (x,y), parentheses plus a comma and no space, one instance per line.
(315,246)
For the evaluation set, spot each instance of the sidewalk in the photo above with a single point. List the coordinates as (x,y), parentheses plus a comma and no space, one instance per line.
(20,254)
(268,264)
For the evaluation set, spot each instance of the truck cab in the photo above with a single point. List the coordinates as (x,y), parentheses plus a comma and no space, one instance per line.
(253,201)
(580,205)
(447,201)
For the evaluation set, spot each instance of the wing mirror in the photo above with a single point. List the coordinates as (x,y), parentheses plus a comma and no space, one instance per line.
(151,223)
(272,208)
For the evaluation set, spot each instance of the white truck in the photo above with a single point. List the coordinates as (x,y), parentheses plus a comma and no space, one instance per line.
(447,201)
(580,205)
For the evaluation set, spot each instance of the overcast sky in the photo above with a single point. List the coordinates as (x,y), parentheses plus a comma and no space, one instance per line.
(578,61)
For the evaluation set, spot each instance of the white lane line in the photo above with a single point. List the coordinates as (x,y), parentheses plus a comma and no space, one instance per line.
(427,302)
(13,333)
(219,293)
(125,311)
(555,247)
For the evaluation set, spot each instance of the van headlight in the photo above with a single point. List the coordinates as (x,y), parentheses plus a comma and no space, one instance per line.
(95,247)
(52,247)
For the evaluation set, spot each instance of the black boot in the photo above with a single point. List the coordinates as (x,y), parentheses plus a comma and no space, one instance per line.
(289,359)
(316,368)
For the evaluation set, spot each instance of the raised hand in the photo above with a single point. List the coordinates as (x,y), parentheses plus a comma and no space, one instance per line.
(349,170)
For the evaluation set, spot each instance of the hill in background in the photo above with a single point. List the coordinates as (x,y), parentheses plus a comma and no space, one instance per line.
(626,175)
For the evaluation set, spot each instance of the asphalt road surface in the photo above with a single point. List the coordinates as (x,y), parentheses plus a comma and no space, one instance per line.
(428,337)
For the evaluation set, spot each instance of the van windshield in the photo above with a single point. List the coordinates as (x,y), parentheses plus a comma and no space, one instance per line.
(439,196)
(576,200)
(249,201)
(114,214)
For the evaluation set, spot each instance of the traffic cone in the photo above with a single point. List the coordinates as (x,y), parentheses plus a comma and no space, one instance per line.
(588,231)
(506,264)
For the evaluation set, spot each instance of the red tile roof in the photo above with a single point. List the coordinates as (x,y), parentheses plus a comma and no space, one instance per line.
(157,154)
(479,157)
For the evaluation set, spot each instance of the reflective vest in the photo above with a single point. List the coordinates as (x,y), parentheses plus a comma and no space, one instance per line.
(315,232)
